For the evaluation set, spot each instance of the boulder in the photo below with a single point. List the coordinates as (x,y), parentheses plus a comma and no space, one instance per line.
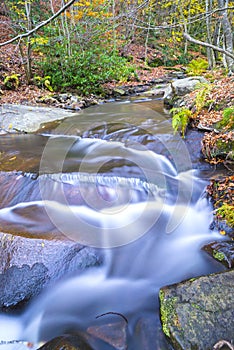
(181,87)
(27,265)
(175,89)
(28,119)
(197,313)
(18,285)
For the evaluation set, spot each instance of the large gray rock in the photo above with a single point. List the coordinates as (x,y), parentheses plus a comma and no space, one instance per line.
(29,119)
(175,89)
(197,313)
(181,87)
(27,265)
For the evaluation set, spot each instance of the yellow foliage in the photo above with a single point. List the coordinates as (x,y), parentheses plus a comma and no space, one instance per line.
(39,41)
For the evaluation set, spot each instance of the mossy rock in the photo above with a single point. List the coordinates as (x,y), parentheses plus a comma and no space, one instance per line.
(197,313)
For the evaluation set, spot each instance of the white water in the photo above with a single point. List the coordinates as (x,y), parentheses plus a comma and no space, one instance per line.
(129,280)
(152,228)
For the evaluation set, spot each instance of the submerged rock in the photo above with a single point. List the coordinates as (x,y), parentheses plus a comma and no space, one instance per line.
(148,335)
(114,334)
(197,313)
(222,251)
(67,342)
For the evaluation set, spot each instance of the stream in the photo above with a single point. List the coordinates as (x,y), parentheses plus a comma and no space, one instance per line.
(115,178)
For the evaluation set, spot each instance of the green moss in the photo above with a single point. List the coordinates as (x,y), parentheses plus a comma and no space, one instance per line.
(167,310)
(218,255)
(224,147)
(227,121)
(192,279)
(226,212)
(195,306)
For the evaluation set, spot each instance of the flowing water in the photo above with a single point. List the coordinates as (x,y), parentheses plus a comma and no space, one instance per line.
(113,177)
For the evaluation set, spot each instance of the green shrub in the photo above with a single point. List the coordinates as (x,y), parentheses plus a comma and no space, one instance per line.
(84,71)
(197,67)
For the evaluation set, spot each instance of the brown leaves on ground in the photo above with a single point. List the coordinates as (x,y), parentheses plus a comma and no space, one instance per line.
(218,147)
(221,96)
(10,63)
(209,118)
(221,191)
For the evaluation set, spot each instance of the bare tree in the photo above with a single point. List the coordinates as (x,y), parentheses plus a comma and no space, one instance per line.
(227,34)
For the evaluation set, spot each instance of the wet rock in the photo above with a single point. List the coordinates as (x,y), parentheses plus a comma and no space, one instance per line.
(28,119)
(18,285)
(119,92)
(148,335)
(114,334)
(67,342)
(222,251)
(193,144)
(158,91)
(197,313)
(27,265)
(222,226)
(175,89)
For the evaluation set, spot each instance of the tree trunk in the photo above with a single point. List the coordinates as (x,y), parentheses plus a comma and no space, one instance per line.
(210,52)
(227,34)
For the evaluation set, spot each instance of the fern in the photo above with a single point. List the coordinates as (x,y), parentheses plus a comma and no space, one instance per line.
(197,67)
(43,82)
(180,118)
(227,121)
(12,81)
(201,97)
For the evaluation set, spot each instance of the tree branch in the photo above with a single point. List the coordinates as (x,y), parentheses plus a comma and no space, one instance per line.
(42,24)
(202,43)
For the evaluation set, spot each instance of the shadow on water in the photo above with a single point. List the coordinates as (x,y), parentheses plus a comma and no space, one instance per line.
(115,178)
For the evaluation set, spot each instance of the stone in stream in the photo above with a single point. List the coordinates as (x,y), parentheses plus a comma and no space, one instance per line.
(28,119)
(197,313)
(148,335)
(175,89)
(222,251)
(114,334)
(67,342)
(27,265)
